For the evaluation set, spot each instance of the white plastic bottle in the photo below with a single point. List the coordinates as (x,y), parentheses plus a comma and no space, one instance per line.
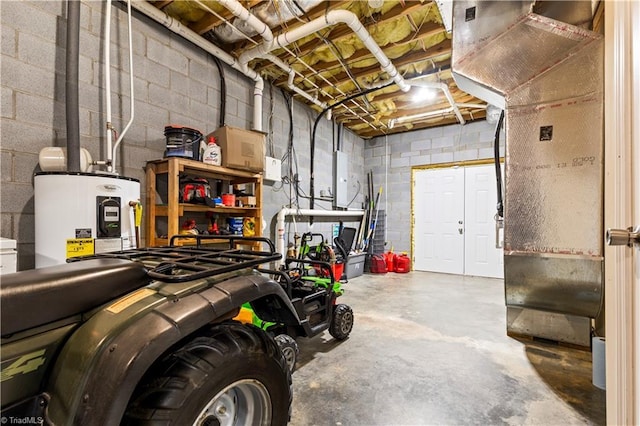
(212,154)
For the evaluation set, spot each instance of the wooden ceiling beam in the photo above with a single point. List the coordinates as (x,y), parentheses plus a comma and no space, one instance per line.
(211,21)
(343,31)
(406,110)
(400,128)
(425,32)
(396,12)
(411,58)
(160,4)
(314,13)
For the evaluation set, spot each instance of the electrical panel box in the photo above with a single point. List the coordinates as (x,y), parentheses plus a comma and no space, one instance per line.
(272,169)
(340,179)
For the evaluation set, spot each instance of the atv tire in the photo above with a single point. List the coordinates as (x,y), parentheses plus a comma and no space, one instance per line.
(289,348)
(341,322)
(233,375)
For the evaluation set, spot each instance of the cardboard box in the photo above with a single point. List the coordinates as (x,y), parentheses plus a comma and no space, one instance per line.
(241,149)
(244,188)
(249,201)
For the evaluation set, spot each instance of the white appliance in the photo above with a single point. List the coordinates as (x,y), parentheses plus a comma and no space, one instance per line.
(8,256)
(81,213)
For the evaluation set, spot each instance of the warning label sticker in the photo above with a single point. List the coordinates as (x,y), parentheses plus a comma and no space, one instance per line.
(83,233)
(79,247)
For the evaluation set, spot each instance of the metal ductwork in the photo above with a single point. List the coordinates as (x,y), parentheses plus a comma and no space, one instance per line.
(540,63)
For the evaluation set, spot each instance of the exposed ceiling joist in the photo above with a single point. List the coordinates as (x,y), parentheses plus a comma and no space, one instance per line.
(411,36)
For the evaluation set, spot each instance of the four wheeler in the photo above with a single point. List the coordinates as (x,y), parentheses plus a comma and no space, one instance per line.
(314,299)
(146,336)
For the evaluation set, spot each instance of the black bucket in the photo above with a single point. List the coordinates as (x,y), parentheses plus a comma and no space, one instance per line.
(182,142)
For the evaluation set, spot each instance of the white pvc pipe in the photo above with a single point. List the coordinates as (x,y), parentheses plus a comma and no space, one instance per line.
(175,26)
(331,18)
(447,94)
(284,212)
(471,105)
(427,114)
(286,68)
(264,31)
(112,166)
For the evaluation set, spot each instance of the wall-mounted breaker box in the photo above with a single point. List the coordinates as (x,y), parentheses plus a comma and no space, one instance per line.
(272,169)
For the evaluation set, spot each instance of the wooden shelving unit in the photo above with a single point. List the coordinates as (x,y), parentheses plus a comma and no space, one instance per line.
(173,210)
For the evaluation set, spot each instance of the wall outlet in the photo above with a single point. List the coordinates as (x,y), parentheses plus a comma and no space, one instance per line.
(272,169)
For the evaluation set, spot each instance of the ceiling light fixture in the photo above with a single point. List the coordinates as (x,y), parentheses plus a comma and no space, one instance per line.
(424,94)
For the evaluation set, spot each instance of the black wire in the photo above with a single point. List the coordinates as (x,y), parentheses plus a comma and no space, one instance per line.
(354,197)
(315,128)
(496,158)
(290,155)
(223,91)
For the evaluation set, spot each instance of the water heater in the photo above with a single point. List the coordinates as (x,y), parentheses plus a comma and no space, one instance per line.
(82,213)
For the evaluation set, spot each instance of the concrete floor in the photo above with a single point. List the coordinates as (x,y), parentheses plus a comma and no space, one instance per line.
(432,349)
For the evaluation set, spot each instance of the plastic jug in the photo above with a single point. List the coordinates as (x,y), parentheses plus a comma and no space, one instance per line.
(212,153)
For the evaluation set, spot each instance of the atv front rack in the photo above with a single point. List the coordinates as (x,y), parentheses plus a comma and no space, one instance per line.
(180,263)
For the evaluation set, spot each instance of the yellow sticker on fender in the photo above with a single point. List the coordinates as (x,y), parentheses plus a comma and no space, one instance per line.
(79,247)
(129,300)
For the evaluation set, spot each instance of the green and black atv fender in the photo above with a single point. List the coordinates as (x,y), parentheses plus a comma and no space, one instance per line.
(145,336)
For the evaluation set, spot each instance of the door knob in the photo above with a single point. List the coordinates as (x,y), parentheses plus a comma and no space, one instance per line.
(623,237)
(460,231)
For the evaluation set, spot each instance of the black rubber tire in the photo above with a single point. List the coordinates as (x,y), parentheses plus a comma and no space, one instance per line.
(179,386)
(341,322)
(290,350)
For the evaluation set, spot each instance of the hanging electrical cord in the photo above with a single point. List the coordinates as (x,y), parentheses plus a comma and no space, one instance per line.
(315,128)
(355,196)
(289,156)
(496,158)
(223,92)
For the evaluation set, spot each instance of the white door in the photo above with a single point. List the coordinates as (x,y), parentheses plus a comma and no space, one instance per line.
(438,199)
(622,209)
(481,257)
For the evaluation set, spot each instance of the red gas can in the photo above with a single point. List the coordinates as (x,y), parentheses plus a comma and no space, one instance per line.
(390,258)
(403,264)
(378,265)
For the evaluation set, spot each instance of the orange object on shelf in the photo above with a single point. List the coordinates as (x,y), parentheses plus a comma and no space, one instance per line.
(229,200)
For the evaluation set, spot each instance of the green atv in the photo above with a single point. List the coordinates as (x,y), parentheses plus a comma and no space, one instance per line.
(146,336)
(313,291)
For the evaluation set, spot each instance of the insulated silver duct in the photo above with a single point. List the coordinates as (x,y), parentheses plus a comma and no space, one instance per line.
(548,76)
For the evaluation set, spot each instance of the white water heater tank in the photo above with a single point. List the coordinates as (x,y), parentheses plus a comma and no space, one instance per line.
(82,213)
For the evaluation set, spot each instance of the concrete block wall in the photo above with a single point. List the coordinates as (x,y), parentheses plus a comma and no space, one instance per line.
(392,158)
(175,82)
